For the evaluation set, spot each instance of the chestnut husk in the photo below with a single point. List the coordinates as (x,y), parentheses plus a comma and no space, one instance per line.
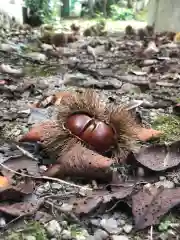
(60,140)
(75,157)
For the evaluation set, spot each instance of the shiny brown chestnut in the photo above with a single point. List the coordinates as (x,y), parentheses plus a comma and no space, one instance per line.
(92,131)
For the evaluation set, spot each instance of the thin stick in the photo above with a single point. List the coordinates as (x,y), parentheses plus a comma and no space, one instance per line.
(46,178)
(151,233)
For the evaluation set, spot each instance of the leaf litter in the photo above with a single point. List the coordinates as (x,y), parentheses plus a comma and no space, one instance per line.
(151,71)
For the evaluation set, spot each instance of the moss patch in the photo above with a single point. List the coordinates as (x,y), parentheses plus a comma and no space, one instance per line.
(170,125)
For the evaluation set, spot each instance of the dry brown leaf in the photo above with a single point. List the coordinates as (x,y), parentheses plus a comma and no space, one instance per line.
(20,163)
(160,157)
(20,209)
(99,197)
(16,193)
(151,204)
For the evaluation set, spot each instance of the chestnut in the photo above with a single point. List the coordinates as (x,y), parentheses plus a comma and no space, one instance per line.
(92,131)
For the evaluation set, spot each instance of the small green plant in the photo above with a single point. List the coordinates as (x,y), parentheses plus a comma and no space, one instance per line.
(121,13)
(32,228)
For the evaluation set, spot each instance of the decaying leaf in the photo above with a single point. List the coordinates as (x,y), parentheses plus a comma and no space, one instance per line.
(99,197)
(20,209)
(160,157)
(20,163)
(16,193)
(150,204)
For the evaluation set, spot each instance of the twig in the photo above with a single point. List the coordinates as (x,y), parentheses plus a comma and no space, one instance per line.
(45,178)
(110,209)
(151,233)
(26,153)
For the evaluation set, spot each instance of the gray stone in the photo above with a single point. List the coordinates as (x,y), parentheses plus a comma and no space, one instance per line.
(176,180)
(66,235)
(64,224)
(165,184)
(110,225)
(90,237)
(82,235)
(119,237)
(66,207)
(95,222)
(121,222)
(100,235)
(29,237)
(56,186)
(162,178)
(53,228)
(2,222)
(127,228)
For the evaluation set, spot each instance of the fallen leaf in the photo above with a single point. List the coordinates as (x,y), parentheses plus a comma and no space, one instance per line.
(151,204)
(20,163)
(99,197)
(16,193)
(159,157)
(20,209)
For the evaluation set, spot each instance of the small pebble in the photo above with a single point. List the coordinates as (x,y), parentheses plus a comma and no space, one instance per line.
(176,180)
(42,168)
(119,237)
(66,207)
(64,224)
(121,222)
(83,235)
(30,238)
(162,178)
(53,228)
(56,186)
(127,228)
(66,235)
(100,235)
(110,225)
(95,222)
(140,172)
(165,184)
(2,222)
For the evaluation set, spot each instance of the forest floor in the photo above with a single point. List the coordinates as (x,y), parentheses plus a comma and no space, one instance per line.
(124,71)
